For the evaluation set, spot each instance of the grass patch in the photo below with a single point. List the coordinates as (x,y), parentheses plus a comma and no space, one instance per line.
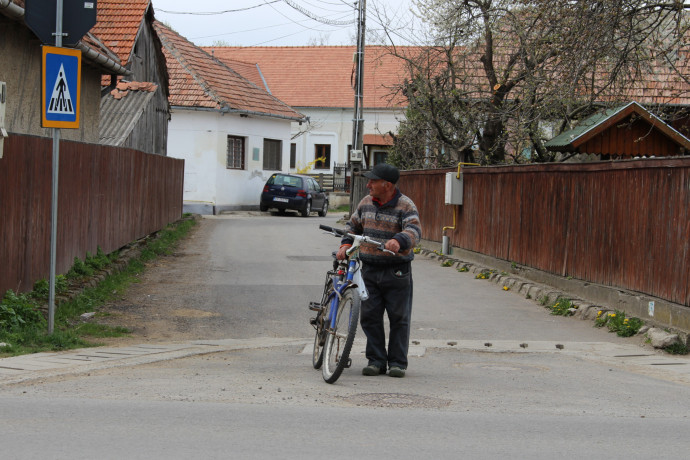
(562,307)
(345,208)
(23,327)
(677,349)
(617,322)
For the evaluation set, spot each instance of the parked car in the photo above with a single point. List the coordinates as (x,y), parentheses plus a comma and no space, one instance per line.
(294,192)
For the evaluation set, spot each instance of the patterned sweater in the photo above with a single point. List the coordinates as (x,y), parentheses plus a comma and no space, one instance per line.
(397,219)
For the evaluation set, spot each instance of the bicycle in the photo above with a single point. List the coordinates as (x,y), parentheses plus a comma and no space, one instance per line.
(338,312)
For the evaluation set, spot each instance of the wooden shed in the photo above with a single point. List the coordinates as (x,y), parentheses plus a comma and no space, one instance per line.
(623,132)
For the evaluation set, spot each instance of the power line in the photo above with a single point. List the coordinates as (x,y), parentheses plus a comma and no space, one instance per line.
(213,13)
(310,15)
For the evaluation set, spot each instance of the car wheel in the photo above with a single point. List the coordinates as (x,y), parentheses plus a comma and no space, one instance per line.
(324,211)
(263,208)
(307,210)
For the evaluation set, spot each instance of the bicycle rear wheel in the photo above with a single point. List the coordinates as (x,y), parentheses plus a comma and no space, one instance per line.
(336,353)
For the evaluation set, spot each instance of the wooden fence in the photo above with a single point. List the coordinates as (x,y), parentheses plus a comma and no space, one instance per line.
(108,197)
(624,224)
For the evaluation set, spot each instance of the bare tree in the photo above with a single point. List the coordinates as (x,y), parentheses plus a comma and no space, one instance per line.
(496,78)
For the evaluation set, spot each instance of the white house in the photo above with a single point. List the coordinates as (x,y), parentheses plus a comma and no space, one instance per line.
(318,81)
(231,133)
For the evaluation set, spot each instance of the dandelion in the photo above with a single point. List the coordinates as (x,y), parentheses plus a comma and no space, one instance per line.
(612,315)
(599,314)
(505,288)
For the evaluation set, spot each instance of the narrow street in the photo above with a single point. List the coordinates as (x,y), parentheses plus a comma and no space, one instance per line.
(491,374)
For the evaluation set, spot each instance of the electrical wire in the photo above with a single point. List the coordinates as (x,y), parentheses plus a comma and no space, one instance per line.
(213,13)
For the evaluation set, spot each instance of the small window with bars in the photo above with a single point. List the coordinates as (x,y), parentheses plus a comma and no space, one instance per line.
(235,155)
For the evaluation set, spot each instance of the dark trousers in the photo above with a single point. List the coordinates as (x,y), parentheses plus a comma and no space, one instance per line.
(390,291)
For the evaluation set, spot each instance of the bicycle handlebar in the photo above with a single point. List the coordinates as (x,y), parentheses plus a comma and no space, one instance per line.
(364,239)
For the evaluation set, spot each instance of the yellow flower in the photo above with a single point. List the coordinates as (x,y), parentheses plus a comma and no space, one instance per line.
(505,288)
(600,312)
(612,315)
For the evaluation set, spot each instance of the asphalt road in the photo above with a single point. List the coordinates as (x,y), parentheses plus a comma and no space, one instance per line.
(249,391)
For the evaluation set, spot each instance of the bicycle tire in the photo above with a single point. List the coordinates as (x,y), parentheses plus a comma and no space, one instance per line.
(320,336)
(317,352)
(336,352)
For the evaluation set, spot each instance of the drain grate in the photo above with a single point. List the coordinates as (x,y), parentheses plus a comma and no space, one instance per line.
(397,400)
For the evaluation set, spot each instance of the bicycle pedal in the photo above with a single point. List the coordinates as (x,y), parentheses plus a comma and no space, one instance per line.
(314,306)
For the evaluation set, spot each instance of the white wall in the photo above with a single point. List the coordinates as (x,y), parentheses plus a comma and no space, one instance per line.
(334,126)
(200,138)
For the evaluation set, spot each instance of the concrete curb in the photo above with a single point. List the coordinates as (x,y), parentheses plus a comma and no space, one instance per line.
(503,273)
(25,368)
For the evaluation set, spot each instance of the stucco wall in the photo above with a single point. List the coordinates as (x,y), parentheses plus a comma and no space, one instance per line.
(20,68)
(200,138)
(334,126)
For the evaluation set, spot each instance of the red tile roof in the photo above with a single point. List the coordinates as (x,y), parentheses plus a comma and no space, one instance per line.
(377,139)
(199,80)
(119,23)
(322,76)
(124,87)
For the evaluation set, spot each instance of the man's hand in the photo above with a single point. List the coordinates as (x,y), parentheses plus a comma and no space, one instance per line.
(392,245)
(342,252)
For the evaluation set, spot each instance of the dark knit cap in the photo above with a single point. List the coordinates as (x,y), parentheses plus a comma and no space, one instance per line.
(383,171)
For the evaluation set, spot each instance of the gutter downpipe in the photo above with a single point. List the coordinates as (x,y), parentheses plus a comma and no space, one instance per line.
(445,249)
(15,11)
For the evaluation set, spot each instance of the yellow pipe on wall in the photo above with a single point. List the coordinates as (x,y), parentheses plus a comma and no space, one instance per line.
(460,165)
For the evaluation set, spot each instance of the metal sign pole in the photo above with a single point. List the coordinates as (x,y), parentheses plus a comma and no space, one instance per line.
(54,208)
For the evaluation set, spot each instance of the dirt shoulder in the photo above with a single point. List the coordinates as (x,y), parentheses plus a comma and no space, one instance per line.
(167,303)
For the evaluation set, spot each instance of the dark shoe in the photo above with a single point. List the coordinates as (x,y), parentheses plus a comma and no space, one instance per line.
(396,371)
(373,369)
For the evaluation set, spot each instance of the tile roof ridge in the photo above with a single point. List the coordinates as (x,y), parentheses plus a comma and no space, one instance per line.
(168,38)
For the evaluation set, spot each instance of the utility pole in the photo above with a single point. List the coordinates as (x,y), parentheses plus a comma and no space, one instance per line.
(357,154)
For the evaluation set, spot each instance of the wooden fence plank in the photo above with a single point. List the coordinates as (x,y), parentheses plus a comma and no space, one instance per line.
(108,197)
(624,224)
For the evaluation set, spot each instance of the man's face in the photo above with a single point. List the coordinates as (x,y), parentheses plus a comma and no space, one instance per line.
(378,188)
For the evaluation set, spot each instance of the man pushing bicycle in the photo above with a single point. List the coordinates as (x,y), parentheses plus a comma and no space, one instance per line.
(391,217)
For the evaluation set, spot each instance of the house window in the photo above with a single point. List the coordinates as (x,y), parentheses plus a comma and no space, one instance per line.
(380,157)
(235,155)
(293,155)
(272,155)
(322,151)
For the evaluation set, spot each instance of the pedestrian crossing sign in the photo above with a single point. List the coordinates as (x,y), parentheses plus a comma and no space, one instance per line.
(61,87)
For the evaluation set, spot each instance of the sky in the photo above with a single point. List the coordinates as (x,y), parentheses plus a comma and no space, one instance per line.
(274,22)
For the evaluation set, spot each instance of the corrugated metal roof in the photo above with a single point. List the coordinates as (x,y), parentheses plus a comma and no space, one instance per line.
(566,138)
(121,110)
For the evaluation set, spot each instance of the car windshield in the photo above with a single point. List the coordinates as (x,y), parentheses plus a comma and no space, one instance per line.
(291,181)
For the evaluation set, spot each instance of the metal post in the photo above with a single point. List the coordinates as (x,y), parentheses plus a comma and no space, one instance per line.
(358,122)
(54,204)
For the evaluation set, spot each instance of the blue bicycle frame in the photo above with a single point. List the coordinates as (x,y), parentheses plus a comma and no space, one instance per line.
(338,288)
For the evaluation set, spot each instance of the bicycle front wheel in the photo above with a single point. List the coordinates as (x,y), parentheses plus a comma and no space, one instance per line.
(336,353)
